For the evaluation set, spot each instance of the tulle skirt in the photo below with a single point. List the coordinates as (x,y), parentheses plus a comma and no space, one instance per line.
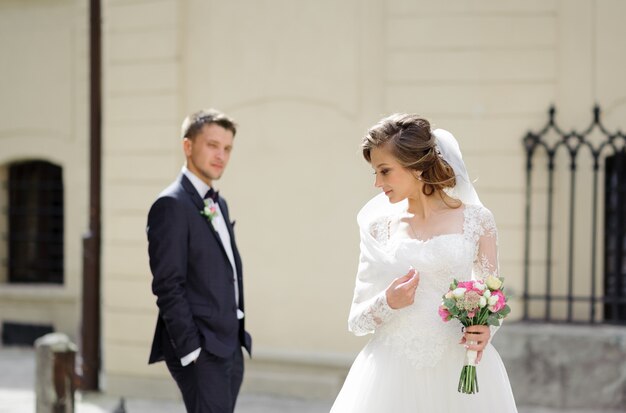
(381,382)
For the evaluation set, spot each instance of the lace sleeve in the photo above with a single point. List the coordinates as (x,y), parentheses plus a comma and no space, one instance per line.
(369,305)
(367,316)
(486,260)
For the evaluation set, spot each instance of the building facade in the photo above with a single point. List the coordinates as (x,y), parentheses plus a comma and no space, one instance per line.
(304,80)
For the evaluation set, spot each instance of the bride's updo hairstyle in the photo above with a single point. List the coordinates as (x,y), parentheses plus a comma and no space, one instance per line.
(410,140)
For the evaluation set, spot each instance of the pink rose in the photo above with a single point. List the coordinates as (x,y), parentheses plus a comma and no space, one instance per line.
(471,314)
(468,285)
(499,305)
(472,286)
(444,313)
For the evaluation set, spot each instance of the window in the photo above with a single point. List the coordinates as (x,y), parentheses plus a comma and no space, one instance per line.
(35,223)
(615,242)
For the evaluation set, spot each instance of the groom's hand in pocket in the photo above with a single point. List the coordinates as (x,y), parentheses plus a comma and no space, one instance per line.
(401,292)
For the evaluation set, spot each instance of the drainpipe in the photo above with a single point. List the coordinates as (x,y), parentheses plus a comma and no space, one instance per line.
(90,325)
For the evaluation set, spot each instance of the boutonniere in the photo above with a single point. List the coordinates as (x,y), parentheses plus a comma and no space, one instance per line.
(210,210)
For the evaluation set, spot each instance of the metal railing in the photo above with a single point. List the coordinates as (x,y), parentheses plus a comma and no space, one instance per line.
(608,158)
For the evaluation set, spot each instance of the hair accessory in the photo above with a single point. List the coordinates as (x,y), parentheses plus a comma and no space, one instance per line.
(451,153)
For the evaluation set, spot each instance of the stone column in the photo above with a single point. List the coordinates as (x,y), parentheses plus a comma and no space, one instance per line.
(55,380)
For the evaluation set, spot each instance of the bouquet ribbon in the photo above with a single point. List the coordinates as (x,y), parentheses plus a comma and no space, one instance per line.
(468,382)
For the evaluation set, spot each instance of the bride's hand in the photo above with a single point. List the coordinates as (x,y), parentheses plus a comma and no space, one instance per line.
(476,338)
(401,292)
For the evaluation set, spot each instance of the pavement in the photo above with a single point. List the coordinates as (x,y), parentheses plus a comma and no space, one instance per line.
(17,395)
(17,378)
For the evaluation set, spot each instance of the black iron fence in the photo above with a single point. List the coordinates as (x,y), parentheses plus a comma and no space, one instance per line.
(601,225)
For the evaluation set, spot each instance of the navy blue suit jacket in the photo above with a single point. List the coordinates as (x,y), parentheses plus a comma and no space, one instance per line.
(192,278)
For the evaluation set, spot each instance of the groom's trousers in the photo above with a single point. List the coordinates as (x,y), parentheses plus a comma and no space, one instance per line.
(210,384)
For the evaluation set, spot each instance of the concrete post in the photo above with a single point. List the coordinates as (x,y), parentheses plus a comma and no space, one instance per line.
(55,380)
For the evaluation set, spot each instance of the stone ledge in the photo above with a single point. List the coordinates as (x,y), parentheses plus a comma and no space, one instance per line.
(552,368)
(565,366)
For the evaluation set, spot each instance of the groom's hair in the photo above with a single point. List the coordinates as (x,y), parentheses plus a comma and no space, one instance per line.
(192,125)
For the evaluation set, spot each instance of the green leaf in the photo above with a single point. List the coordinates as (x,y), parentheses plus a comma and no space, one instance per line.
(505,311)
(449,303)
(493,321)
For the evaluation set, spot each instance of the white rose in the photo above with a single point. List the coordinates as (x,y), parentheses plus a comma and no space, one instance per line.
(482,302)
(493,283)
(459,292)
(493,300)
(479,286)
(448,294)
(487,294)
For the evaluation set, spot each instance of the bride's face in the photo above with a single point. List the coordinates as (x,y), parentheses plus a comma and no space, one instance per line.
(396,181)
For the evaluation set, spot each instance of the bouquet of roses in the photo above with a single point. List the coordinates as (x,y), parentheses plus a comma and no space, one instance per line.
(480,302)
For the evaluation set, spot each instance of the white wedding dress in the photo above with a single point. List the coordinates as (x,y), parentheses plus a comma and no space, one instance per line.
(414,359)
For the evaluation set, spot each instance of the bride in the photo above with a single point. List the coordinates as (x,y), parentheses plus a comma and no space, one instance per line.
(426,228)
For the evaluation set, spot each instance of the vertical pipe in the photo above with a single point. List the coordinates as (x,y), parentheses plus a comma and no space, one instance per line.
(90,333)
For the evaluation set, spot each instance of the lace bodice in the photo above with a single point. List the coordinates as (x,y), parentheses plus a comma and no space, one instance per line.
(416,331)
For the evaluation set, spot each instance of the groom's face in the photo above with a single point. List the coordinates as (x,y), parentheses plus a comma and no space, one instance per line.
(208,152)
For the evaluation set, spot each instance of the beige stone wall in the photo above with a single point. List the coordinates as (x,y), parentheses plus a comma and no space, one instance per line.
(588,55)
(305,80)
(44,116)
(141,156)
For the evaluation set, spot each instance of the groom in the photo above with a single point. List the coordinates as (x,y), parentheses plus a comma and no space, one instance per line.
(197,272)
